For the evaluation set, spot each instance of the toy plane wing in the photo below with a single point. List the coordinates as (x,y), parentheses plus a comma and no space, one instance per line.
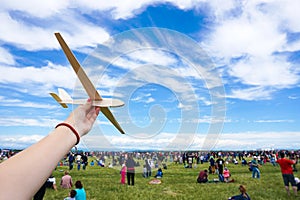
(63,98)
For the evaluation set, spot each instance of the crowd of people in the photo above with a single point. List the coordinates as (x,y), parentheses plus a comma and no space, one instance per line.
(218,163)
(285,159)
(67,134)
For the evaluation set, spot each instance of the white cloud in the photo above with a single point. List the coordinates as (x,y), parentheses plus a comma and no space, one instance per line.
(225,141)
(137,99)
(38,81)
(258,140)
(211,120)
(291,46)
(126,9)
(143,97)
(167,141)
(118,9)
(6,57)
(41,122)
(252,35)
(142,57)
(30,38)
(184,106)
(150,100)
(205,101)
(293,97)
(48,73)
(36,36)
(254,93)
(18,141)
(155,57)
(265,72)
(257,36)
(19,103)
(286,13)
(39,9)
(274,121)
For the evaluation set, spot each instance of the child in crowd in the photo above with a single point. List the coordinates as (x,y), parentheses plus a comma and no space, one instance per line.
(71,196)
(159,173)
(123,174)
(145,174)
(226,174)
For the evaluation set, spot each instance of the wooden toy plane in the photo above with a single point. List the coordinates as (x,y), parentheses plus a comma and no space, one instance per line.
(63,98)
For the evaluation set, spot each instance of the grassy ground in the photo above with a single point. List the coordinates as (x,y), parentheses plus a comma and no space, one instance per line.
(178,183)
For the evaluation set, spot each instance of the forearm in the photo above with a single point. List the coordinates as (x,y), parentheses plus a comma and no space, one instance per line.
(26,172)
(22,175)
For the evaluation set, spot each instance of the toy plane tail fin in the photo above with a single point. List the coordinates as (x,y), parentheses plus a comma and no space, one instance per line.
(62,97)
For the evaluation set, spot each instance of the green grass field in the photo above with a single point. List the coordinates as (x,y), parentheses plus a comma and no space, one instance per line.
(178,183)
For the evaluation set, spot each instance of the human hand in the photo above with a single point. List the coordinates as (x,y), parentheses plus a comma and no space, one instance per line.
(83,118)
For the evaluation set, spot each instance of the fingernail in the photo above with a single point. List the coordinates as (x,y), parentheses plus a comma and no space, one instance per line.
(97,110)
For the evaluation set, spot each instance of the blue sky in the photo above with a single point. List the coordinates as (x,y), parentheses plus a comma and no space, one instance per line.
(193,74)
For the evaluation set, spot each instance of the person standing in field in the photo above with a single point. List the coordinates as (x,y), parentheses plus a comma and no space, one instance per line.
(130,164)
(71,160)
(84,159)
(78,161)
(220,164)
(212,165)
(254,167)
(123,174)
(202,159)
(287,172)
(148,167)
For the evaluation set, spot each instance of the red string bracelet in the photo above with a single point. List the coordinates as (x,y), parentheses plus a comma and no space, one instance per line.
(72,129)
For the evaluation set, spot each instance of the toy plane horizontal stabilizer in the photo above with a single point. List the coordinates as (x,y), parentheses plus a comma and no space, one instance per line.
(58,99)
(63,98)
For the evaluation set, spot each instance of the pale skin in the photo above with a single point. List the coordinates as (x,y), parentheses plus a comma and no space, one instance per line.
(287,188)
(23,174)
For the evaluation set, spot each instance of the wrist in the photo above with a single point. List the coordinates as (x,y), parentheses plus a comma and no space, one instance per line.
(71,128)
